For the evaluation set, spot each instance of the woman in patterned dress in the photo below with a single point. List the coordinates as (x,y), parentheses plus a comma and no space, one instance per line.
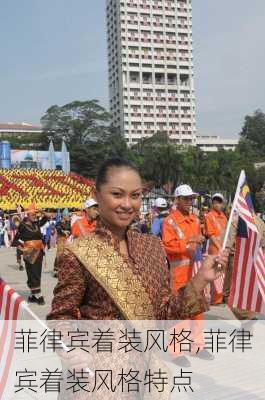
(136,284)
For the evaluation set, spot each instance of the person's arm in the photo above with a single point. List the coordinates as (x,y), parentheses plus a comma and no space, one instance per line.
(212,232)
(70,289)
(188,302)
(209,226)
(65,309)
(190,299)
(17,239)
(156,227)
(217,243)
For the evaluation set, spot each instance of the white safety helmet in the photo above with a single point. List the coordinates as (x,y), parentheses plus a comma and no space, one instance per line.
(161,203)
(90,203)
(185,191)
(218,196)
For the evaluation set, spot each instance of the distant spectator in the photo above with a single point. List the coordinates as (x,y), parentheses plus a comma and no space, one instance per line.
(162,212)
(2,232)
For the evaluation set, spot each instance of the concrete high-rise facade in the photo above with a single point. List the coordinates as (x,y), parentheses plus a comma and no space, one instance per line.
(150,54)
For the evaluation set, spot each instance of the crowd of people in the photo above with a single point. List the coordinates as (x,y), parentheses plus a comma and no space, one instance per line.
(115,262)
(46,188)
(33,232)
(181,228)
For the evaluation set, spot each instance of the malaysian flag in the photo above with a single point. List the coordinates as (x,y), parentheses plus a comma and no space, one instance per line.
(248,280)
(10,308)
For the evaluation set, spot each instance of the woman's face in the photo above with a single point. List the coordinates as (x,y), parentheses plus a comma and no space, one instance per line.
(119,199)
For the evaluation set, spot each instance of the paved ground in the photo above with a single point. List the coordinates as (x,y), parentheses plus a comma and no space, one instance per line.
(17,279)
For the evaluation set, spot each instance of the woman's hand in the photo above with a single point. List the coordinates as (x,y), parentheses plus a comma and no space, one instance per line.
(212,267)
(76,359)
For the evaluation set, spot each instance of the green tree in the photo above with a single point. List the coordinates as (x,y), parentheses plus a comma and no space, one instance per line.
(78,121)
(195,168)
(36,141)
(253,135)
(91,139)
(159,161)
(86,158)
(86,127)
(256,179)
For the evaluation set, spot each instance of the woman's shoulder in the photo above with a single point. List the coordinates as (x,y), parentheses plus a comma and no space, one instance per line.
(83,245)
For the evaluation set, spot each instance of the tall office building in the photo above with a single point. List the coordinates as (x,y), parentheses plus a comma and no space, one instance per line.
(150,55)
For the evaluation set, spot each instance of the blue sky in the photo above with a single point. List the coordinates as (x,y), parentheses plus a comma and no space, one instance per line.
(54,51)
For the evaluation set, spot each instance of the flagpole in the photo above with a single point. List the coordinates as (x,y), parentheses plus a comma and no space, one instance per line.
(65,348)
(239,184)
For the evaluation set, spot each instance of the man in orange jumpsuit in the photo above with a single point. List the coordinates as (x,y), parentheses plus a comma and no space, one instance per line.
(181,237)
(215,226)
(87,222)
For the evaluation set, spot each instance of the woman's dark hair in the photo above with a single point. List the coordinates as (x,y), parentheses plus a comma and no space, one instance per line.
(112,163)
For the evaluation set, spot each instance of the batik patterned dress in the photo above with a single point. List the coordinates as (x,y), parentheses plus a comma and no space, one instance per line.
(96,282)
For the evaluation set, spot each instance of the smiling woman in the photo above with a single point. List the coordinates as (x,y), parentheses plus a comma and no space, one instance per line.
(118,192)
(118,273)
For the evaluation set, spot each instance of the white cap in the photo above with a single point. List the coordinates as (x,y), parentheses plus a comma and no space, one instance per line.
(218,196)
(90,203)
(161,203)
(185,191)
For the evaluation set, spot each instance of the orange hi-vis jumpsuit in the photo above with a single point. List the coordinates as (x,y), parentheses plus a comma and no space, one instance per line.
(82,227)
(215,226)
(177,230)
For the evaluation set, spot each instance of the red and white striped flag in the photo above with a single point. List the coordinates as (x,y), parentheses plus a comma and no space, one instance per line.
(197,263)
(248,280)
(10,308)
(246,284)
(260,265)
(219,283)
(13,309)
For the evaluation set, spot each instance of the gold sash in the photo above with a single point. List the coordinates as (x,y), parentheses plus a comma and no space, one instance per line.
(31,250)
(112,272)
(124,287)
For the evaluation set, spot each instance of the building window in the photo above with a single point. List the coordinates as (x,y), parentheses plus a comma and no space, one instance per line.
(172,79)
(147,77)
(159,78)
(134,77)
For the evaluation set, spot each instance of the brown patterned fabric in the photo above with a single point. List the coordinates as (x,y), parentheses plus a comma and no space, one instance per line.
(79,295)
